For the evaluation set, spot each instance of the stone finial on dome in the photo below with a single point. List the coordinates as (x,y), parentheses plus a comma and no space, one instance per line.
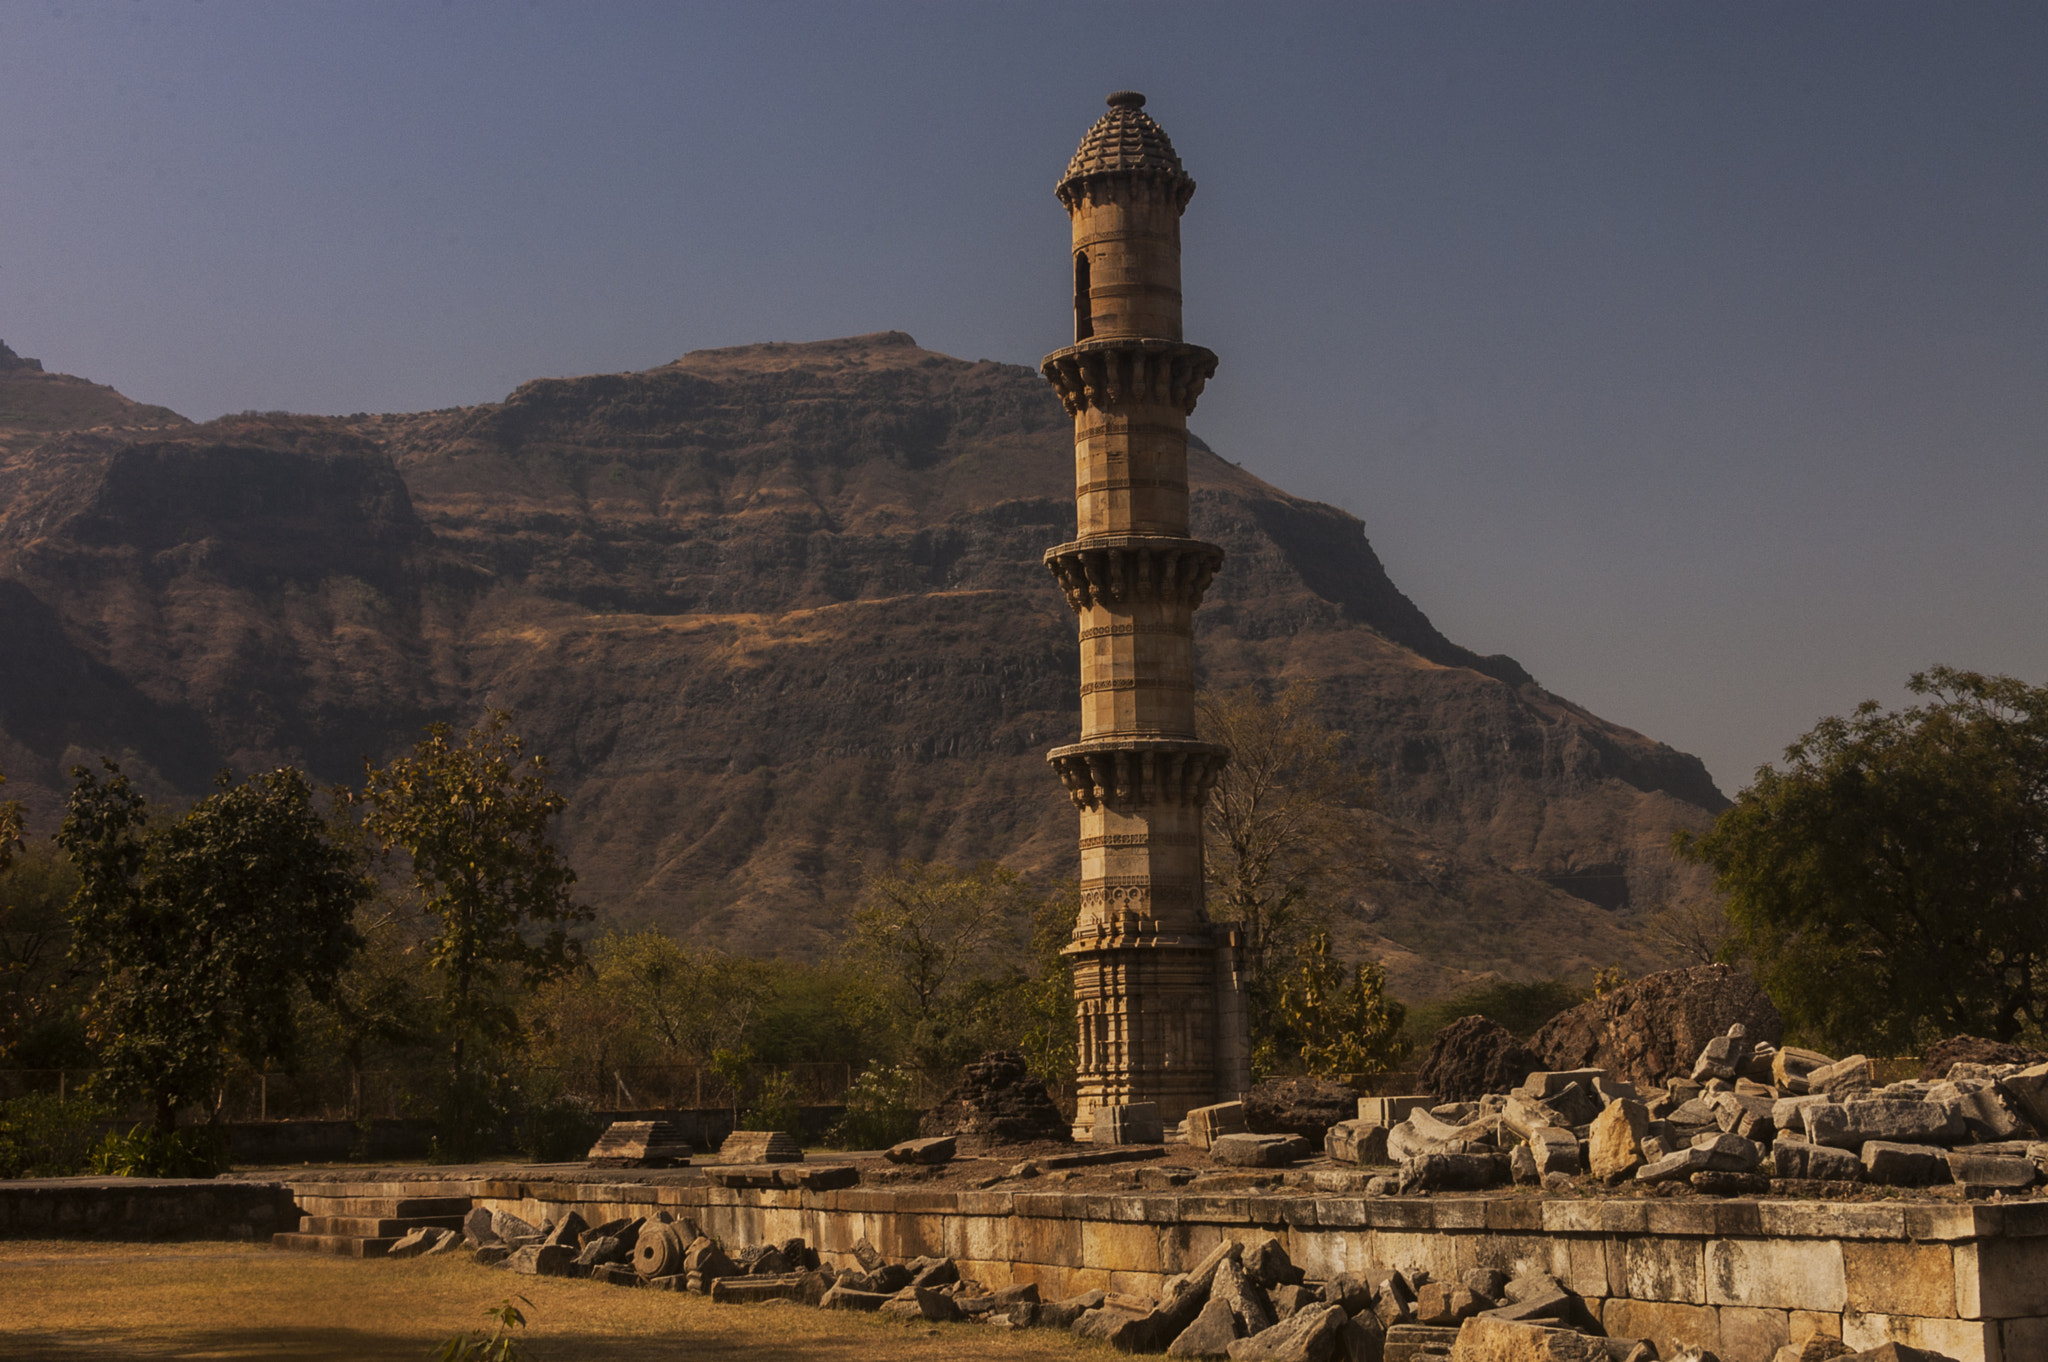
(1126,141)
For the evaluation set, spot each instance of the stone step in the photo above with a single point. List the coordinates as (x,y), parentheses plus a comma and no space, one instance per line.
(375,1227)
(340,1245)
(384,1207)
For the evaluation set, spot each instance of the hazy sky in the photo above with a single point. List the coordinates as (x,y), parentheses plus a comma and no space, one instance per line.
(1696,355)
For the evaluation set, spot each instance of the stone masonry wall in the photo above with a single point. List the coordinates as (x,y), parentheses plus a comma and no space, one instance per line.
(1739,1277)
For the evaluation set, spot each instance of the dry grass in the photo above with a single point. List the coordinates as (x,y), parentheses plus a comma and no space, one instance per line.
(62,1301)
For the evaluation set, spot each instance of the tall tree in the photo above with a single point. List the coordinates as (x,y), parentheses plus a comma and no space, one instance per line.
(200,932)
(1281,818)
(694,1000)
(41,1005)
(471,820)
(1892,880)
(940,948)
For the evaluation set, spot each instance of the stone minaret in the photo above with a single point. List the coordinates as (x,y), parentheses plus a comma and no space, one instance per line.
(1158,987)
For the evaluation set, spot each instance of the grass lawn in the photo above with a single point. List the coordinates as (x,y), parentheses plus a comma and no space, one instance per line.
(69,1300)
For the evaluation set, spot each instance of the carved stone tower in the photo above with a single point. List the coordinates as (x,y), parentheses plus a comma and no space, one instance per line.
(1158,987)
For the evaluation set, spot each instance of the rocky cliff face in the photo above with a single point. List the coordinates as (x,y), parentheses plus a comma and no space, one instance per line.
(774,611)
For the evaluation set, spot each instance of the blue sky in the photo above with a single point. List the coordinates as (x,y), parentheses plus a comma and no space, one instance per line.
(1695,355)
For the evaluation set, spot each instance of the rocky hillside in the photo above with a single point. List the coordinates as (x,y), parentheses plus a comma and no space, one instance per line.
(775,611)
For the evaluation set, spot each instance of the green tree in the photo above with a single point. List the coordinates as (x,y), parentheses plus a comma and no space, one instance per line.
(939,949)
(694,1001)
(1892,880)
(41,998)
(471,820)
(1336,1027)
(199,932)
(1051,1042)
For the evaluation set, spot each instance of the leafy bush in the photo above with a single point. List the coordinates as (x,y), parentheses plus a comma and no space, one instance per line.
(146,1152)
(474,1108)
(1521,1008)
(43,1136)
(775,1107)
(558,1128)
(498,1346)
(881,1110)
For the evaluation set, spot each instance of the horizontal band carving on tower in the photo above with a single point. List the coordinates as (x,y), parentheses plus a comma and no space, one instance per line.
(1088,489)
(1117,372)
(1126,772)
(1121,569)
(1131,628)
(1118,683)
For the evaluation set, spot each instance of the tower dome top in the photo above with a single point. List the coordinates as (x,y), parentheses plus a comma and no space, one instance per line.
(1126,140)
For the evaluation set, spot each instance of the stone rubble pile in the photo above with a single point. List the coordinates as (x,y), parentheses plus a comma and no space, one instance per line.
(998,1101)
(1247,1302)
(1749,1119)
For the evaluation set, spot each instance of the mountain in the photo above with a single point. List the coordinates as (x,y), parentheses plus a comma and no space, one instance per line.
(774,612)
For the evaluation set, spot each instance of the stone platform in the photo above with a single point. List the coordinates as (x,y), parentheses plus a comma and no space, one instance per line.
(1740,1277)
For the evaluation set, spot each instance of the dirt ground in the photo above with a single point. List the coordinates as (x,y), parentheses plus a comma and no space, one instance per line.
(65,1301)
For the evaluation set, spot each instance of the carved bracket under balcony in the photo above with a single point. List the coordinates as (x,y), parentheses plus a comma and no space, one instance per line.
(1121,569)
(1128,772)
(1107,374)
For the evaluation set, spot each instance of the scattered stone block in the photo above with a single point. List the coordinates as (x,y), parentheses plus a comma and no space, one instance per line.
(1556,1152)
(640,1144)
(846,1298)
(1492,1339)
(759,1146)
(1267,1264)
(1851,1124)
(1899,1165)
(1522,1166)
(417,1241)
(490,1255)
(2027,1091)
(1843,1076)
(1418,1343)
(932,1150)
(1061,1314)
(1723,1056)
(1125,1329)
(1310,1336)
(1819,1162)
(1128,1123)
(1979,1172)
(1258,1151)
(542,1260)
(614,1274)
(1206,1124)
(1614,1144)
(479,1227)
(1986,1117)
(920,1302)
(1792,1068)
(568,1231)
(1454,1172)
(510,1229)
(1211,1334)
(1247,1302)
(1357,1142)
(1391,1111)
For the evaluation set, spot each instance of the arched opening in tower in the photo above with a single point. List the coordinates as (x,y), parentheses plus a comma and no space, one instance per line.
(1084,311)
